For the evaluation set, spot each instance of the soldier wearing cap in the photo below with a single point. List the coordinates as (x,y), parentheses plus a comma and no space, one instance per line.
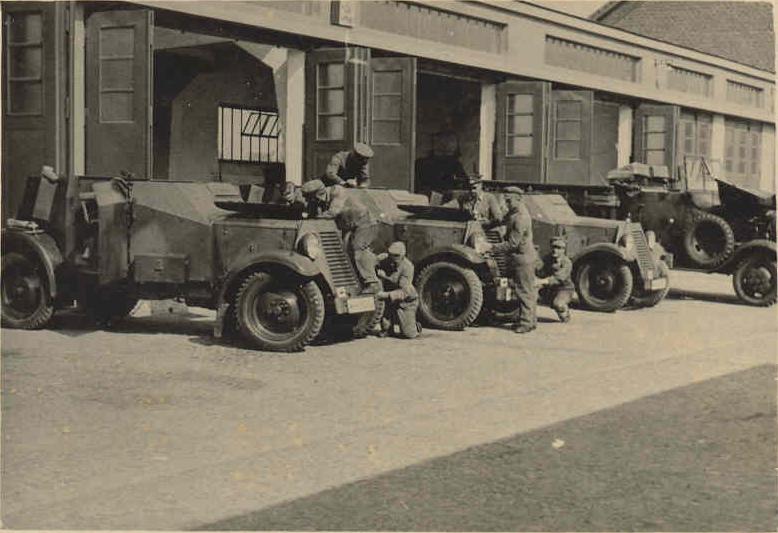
(555,283)
(350,168)
(402,299)
(319,200)
(518,243)
(487,208)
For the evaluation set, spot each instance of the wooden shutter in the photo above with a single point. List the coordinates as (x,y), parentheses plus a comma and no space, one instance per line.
(605,140)
(520,145)
(570,138)
(655,135)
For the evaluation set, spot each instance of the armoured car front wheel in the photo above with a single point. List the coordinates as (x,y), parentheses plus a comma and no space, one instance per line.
(26,301)
(279,315)
(652,298)
(604,284)
(754,280)
(451,296)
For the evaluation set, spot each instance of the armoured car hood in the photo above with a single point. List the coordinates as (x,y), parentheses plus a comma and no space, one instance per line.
(554,209)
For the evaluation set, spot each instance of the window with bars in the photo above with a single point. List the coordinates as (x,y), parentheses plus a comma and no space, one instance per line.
(248,135)
(742,150)
(520,116)
(330,102)
(654,139)
(24,40)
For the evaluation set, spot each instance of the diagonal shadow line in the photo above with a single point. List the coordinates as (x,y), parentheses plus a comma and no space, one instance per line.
(683,294)
(697,458)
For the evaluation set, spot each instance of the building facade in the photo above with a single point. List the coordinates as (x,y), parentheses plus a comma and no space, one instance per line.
(248,92)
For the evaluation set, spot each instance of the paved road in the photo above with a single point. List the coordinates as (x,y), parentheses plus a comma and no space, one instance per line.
(660,419)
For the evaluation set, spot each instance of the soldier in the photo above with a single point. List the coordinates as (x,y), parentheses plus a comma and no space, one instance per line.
(357,227)
(402,299)
(350,168)
(518,242)
(487,208)
(319,200)
(556,286)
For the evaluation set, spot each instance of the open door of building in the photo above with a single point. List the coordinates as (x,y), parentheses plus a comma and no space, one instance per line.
(119,72)
(393,121)
(34,52)
(521,131)
(570,138)
(655,135)
(337,98)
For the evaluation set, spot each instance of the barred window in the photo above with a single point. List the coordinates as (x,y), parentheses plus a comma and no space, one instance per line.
(248,135)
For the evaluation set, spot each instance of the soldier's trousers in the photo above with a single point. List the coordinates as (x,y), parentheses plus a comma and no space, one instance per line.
(402,314)
(526,291)
(558,298)
(366,262)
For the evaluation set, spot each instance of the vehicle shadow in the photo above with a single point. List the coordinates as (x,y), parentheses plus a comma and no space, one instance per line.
(73,324)
(684,294)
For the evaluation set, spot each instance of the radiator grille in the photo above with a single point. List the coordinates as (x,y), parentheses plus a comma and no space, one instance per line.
(340,267)
(645,259)
(494,237)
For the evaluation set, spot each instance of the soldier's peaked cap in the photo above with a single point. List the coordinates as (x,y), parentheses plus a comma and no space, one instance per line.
(310,187)
(397,248)
(513,190)
(361,149)
(558,241)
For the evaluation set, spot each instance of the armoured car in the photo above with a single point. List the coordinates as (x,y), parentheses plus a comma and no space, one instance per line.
(105,242)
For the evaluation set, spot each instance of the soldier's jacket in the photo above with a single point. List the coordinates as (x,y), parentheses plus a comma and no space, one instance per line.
(518,236)
(332,203)
(489,211)
(398,280)
(558,271)
(343,167)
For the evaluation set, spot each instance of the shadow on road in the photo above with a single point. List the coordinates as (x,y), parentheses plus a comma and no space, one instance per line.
(698,458)
(682,294)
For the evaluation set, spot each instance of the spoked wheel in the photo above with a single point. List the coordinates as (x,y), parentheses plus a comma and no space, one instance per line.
(451,296)
(604,284)
(279,315)
(755,282)
(27,302)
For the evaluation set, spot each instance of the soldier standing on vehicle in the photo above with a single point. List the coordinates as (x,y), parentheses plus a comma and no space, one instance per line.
(518,243)
(402,299)
(555,284)
(357,227)
(350,168)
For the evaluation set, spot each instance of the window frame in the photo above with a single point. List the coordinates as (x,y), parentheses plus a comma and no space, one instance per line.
(29,80)
(509,136)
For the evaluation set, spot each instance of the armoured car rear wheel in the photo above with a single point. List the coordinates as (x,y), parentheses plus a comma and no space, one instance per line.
(708,240)
(26,302)
(651,298)
(451,296)
(278,315)
(604,284)
(754,280)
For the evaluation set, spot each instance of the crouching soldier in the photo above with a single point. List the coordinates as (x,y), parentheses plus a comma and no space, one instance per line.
(555,284)
(402,299)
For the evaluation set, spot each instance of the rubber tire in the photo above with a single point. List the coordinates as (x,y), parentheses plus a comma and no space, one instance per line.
(251,288)
(737,281)
(652,298)
(688,242)
(106,305)
(614,303)
(45,307)
(472,310)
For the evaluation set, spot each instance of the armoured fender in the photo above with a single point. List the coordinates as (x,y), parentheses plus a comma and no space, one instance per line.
(601,247)
(749,248)
(43,246)
(461,251)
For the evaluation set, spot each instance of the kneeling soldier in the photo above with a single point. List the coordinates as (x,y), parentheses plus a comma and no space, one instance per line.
(401,295)
(556,286)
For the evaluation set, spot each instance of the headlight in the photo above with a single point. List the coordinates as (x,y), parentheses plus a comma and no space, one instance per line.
(651,238)
(627,241)
(478,242)
(310,246)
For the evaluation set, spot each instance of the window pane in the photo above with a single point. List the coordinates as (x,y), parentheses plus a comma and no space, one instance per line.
(519,103)
(520,146)
(331,75)
(386,131)
(331,101)
(655,123)
(116,74)
(521,124)
(25,62)
(387,82)
(117,41)
(331,128)
(25,27)
(568,130)
(655,157)
(116,107)
(386,107)
(655,141)
(26,97)
(568,109)
(568,149)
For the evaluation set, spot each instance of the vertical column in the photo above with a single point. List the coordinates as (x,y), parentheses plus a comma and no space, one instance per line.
(717,145)
(488,122)
(624,148)
(77,91)
(295,116)
(767,164)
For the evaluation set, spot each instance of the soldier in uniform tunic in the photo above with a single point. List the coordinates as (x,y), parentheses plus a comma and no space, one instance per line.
(396,271)
(518,243)
(350,168)
(317,199)
(555,283)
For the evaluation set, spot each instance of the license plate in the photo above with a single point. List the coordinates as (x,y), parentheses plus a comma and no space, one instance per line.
(658,283)
(361,304)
